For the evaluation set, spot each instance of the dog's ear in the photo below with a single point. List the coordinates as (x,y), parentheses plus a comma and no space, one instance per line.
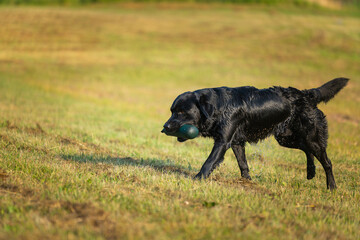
(204,105)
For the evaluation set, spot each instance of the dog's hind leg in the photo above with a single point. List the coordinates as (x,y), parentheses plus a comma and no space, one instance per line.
(316,142)
(326,163)
(308,132)
(321,155)
(239,151)
(293,141)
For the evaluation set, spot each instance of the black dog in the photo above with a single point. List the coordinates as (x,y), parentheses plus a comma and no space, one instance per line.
(234,116)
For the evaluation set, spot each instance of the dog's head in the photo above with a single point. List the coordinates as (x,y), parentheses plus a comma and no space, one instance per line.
(188,108)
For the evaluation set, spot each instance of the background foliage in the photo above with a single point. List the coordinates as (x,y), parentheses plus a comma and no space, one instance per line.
(81,2)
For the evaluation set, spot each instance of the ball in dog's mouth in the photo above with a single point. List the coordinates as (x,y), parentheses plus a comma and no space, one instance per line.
(184,133)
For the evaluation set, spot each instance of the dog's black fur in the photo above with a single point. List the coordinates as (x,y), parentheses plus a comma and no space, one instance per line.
(234,116)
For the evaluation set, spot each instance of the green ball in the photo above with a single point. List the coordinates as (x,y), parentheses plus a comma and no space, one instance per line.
(186,131)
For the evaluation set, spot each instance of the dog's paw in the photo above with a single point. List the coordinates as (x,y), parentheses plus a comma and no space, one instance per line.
(331,185)
(310,176)
(199,176)
(310,173)
(246,176)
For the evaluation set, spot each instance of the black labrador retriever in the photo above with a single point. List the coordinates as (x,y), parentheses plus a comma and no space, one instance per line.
(234,116)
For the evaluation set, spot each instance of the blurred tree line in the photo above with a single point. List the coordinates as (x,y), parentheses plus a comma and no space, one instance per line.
(81,2)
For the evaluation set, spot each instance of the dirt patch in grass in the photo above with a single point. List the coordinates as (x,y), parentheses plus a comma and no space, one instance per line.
(74,214)
(69,141)
(78,213)
(6,188)
(33,130)
(244,183)
(11,188)
(36,130)
(5,138)
(70,215)
(3,174)
(10,125)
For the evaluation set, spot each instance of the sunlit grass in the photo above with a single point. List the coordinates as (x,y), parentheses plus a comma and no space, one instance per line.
(84,93)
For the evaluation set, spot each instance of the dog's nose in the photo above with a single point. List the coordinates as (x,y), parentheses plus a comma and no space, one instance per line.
(167,126)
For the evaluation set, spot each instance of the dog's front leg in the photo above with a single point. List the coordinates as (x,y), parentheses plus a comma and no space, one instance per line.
(216,157)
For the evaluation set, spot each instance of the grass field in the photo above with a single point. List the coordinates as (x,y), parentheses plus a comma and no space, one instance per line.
(84,93)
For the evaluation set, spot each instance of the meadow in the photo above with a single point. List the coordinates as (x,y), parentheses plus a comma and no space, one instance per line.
(84,92)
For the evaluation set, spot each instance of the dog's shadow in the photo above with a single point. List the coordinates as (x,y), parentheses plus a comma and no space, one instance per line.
(163,166)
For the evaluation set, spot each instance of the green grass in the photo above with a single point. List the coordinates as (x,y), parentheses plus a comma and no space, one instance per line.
(302,3)
(82,2)
(84,93)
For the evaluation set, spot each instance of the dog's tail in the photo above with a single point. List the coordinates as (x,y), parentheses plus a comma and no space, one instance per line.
(328,90)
